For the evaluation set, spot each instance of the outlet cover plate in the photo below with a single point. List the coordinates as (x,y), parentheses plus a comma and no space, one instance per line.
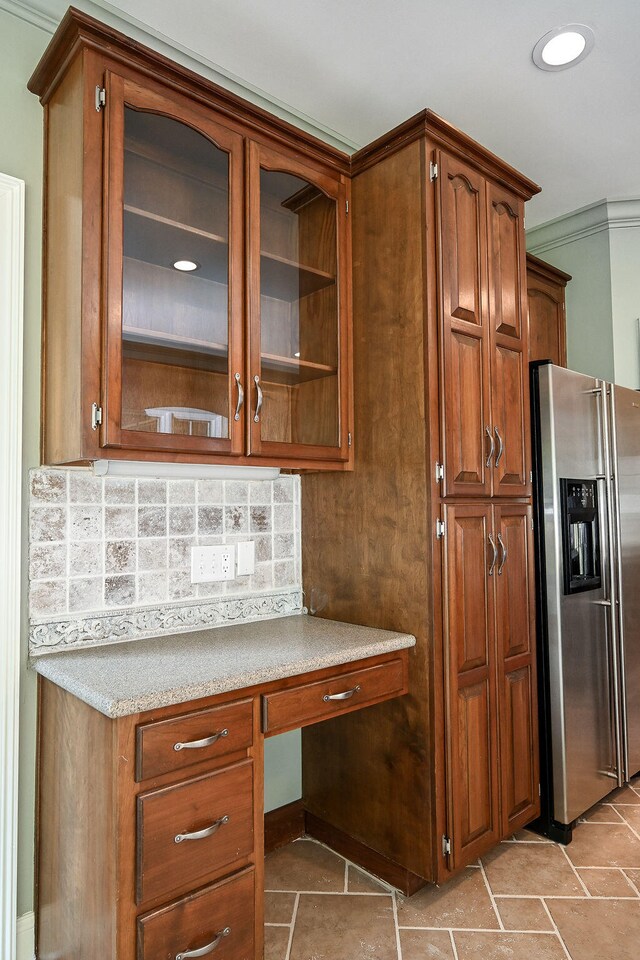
(216,562)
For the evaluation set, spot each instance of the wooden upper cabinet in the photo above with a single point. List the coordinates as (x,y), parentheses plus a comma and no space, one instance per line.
(298,297)
(464,332)
(547,319)
(483,335)
(197,268)
(174,342)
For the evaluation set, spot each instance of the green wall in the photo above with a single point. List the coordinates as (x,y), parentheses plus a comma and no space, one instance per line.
(21,46)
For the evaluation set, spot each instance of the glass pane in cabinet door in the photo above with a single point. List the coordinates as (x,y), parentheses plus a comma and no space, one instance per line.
(175,294)
(298,312)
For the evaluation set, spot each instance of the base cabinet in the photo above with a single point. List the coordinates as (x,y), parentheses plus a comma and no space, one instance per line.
(434,521)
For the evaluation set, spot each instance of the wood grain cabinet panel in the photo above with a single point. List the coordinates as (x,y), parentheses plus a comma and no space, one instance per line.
(510,423)
(220,917)
(167,745)
(188,833)
(546,291)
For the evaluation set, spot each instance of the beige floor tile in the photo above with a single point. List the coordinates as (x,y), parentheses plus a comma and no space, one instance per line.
(304,865)
(606,883)
(360,882)
(631,814)
(602,813)
(276,941)
(634,876)
(530,870)
(462,902)
(508,946)
(624,795)
(604,845)
(528,836)
(344,928)
(278,907)
(523,914)
(598,929)
(426,945)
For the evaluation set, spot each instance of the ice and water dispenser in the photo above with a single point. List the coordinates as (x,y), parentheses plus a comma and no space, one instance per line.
(580,535)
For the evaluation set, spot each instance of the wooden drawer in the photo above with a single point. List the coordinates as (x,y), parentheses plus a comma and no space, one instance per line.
(166,745)
(198,920)
(311,702)
(166,866)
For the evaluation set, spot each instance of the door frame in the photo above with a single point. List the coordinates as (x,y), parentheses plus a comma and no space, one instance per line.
(12,196)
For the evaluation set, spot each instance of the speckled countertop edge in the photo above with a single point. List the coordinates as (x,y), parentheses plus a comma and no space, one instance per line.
(127,678)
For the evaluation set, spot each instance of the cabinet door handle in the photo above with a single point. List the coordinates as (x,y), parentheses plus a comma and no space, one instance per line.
(256,380)
(492,447)
(341,696)
(236,415)
(201,834)
(198,744)
(500,445)
(505,554)
(208,947)
(495,555)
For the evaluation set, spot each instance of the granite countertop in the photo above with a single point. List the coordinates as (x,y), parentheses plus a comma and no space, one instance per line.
(124,678)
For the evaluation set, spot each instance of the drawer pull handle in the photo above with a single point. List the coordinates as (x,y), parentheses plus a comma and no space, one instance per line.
(202,834)
(208,948)
(341,696)
(198,744)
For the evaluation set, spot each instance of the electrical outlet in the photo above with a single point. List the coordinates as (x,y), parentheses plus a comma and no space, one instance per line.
(245,558)
(213,563)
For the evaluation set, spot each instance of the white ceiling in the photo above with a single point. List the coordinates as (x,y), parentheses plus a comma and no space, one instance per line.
(359,67)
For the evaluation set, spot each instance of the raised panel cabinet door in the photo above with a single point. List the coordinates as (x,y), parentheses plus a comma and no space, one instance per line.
(470,558)
(508,338)
(173,263)
(546,312)
(515,654)
(299,301)
(464,336)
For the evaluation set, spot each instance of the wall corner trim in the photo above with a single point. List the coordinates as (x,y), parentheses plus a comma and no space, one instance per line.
(604,215)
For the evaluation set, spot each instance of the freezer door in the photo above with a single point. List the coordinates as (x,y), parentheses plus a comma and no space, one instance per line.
(626,415)
(579,625)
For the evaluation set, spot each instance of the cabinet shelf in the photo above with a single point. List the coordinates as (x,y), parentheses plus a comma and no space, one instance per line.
(157,347)
(159,240)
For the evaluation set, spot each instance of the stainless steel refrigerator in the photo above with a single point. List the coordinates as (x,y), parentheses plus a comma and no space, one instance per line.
(586,437)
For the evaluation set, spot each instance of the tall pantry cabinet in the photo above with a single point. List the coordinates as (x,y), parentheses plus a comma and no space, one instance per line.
(432,532)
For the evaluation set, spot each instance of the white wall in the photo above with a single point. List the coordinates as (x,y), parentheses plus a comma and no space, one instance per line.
(625,288)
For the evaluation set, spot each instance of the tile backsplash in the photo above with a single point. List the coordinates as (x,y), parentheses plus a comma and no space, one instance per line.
(104,544)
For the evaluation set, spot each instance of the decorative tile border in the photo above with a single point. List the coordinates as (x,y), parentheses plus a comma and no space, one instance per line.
(64,633)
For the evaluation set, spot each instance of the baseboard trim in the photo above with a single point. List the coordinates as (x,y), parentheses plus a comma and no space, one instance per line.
(25,937)
(376,863)
(283,825)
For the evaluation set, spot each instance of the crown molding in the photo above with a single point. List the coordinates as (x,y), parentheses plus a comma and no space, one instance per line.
(45,18)
(602,216)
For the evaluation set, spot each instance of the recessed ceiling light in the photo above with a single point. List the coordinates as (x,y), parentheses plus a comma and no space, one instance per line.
(563,47)
(185,265)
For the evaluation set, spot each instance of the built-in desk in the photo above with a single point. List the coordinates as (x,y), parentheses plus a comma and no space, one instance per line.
(151,826)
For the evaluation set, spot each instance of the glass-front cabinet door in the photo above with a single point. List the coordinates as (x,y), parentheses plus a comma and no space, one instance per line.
(174,267)
(298,309)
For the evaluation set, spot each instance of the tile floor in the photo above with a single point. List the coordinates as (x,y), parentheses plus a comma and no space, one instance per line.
(528,899)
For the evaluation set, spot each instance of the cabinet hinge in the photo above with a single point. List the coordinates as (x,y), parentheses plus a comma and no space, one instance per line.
(440,529)
(346,206)
(96,416)
(530,476)
(446,845)
(101,98)
(349,439)
(539,791)
(433,171)
(439,472)
(532,523)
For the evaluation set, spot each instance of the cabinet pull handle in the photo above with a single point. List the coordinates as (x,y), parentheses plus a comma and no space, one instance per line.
(202,834)
(236,415)
(341,696)
(208,947)
(495,554)
(505,554)
(500,445)
(487,462)
(198,744)
(256,380)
